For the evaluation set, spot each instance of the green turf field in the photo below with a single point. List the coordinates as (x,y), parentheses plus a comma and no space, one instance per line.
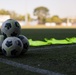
(40,34)
(10,70)
(60,59)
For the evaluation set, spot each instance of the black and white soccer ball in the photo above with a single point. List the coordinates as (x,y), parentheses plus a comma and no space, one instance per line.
(12,46)
(25,43)
(1,41)
(10,28)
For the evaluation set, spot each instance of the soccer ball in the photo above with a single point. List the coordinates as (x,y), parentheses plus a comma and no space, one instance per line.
(1,41)
(10,28)
(25,43)
(12,46)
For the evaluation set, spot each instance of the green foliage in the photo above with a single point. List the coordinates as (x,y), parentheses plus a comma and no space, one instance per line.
(64,20)
(42,13)
(4,12)
(29,17)
(21,17)
(56,19)
(48,20)
(12,14)
(16,16)
(40,34)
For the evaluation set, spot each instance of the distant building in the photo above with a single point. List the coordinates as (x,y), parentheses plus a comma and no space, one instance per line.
(50,24)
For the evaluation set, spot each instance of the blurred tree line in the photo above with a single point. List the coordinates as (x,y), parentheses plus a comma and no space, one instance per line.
(41,12)
(12,14)
(43,16)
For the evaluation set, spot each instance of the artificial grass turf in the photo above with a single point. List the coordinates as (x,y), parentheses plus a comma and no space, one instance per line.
(62,60)
(40,34)
(10,70)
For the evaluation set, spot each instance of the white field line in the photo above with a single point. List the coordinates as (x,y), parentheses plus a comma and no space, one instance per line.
(51,47)
(29,68)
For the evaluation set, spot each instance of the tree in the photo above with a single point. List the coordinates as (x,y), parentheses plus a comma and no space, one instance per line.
(4,12)
(48,19)
(41,12)
(20,17)
(56,19)
(13,15)
(29,17)
(64,20)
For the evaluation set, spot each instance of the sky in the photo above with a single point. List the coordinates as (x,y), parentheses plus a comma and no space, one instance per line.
(62,8)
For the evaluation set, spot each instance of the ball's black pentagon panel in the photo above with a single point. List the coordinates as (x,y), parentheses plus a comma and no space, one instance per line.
(4,52)
(8,26)
(14,52)
(8,43)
